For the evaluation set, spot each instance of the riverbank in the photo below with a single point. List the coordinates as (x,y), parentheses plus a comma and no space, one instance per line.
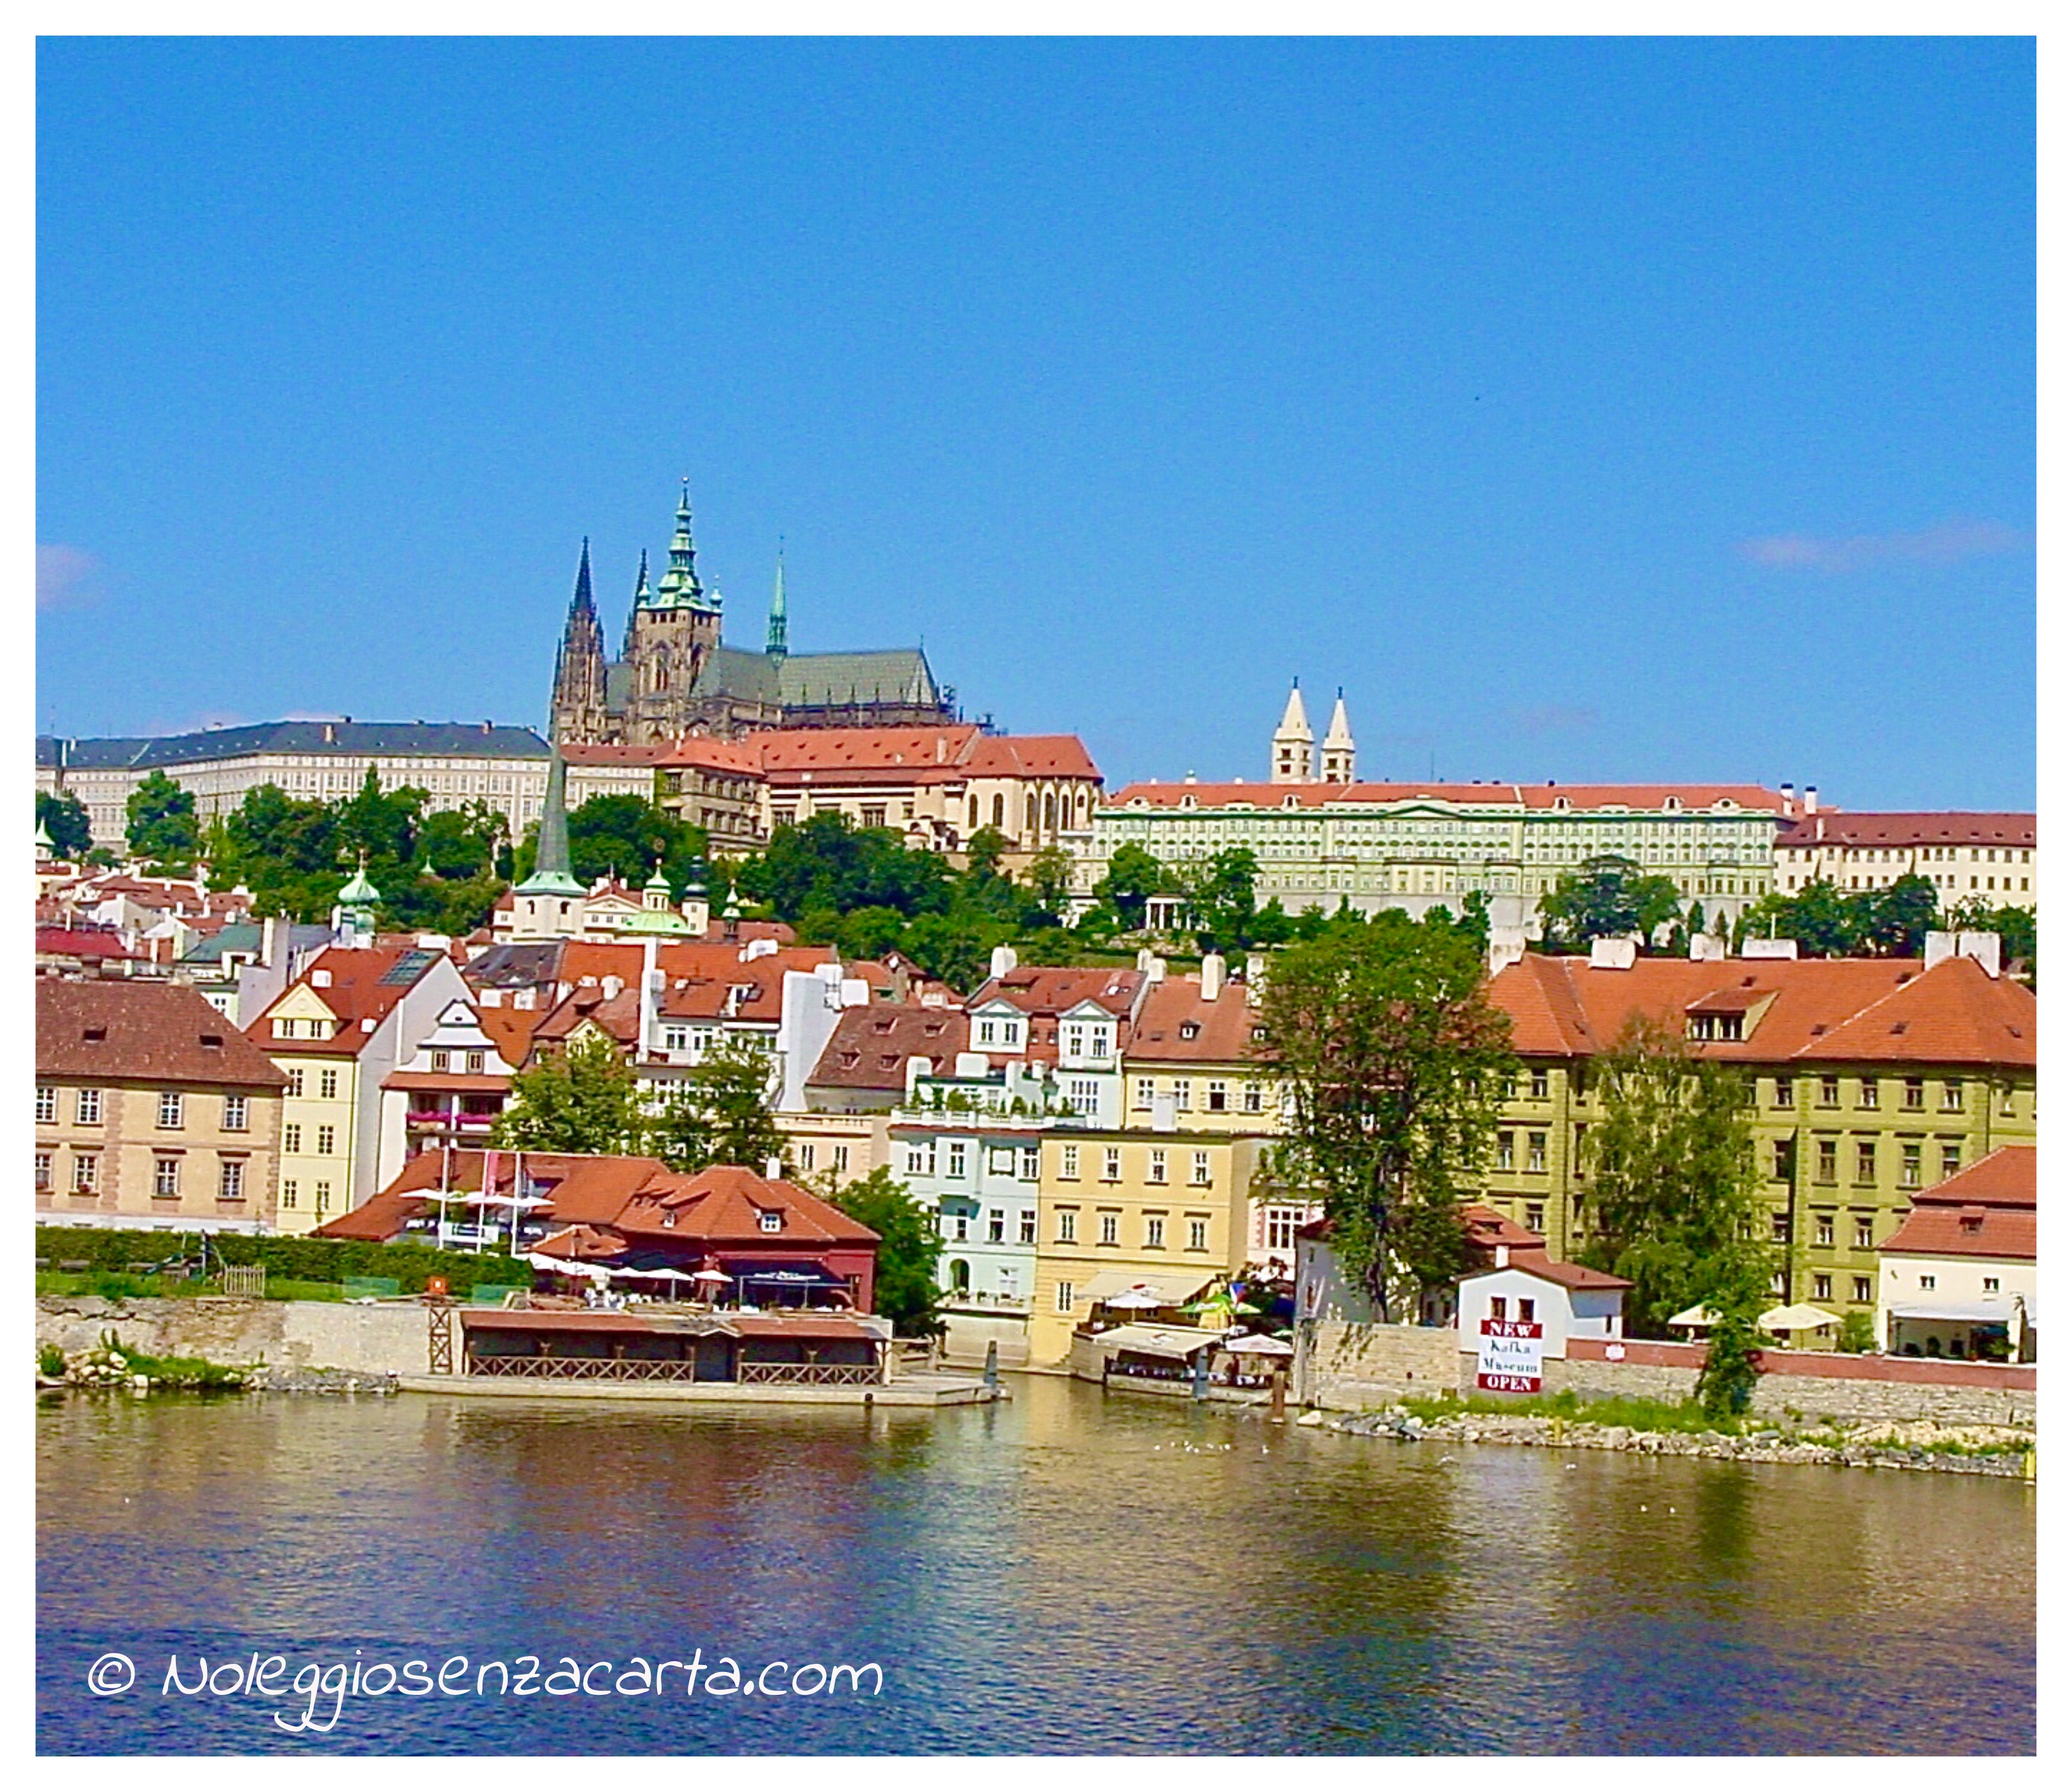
(2007,1452)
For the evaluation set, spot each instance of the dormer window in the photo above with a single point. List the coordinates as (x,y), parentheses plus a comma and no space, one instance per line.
(1190,1030)
(772,1222)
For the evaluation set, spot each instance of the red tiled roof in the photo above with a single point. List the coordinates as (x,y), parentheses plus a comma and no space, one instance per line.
(1049,989)
(1582,797)
(741,757)
(1551,1269)
(818,749)
(1957,827)
(1840,1010)
(2004,1177)
(356,995)
(870,1046)
(81,943)
(137,1031)
(597,753)
(1175,1025)
(1029,756)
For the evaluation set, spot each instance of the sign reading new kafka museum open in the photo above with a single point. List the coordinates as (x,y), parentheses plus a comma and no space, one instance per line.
(1507,1356)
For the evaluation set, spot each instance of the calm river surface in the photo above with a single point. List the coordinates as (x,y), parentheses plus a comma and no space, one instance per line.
(1062,1573)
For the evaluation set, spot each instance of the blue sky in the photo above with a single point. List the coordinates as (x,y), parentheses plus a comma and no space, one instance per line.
(1588,410)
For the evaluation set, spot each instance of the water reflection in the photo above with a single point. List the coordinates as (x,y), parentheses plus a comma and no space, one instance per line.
(1071,1571)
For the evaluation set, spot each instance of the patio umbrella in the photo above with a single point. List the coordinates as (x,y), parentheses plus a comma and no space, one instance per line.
(568,1266)
(710,1276)
(1136,1300)
(1801,1317)
(1253,1344)
(1694,1318)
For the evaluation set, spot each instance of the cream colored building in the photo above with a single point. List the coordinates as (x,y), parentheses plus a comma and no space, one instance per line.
(454,763)
(152,1112)
(1113,1207)
(1967,856)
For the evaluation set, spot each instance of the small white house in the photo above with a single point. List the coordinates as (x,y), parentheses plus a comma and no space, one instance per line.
(1565,1300)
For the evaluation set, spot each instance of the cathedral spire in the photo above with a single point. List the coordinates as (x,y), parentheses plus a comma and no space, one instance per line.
(1291,741)
(1337,756)
(679,585)
(581,602)
(776,647)
(551,875)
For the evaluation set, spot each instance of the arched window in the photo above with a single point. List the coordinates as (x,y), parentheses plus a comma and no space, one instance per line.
(971,819)
(1050,811)
(999,810)
(960,1275)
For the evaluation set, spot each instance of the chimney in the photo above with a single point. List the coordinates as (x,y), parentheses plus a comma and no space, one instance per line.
(1503,1257)
(269,940)
(773,1170)
(1212,976)
(1812,798)
(1155,971)
(1004,960)
(1789,809)
(1614,954)
(612,986)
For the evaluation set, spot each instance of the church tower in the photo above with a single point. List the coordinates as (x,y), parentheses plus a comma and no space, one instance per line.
(1337,767)
(777,648)
(671,634)
(1291,741)
(576,713)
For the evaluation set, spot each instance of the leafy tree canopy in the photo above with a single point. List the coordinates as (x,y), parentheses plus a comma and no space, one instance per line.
(1133,875)
(163,831)
(582,1099)
(720,1113)
(64,818)
(1607,898)
(909,1248)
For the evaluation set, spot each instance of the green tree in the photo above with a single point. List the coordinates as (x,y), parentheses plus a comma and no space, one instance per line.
(162,830)
(1671,1198)
(1393,1057)
(1218,892)
(1049,877)
(1133,875)
(1606,897)
(908,1247)
(1901,915)
(983,850)
(382,823)
(582,1099)
(64,819)
(1737,1290)
(720,1113)
(2016,928)
(462,842)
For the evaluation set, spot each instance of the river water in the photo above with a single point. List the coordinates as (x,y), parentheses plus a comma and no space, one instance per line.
(1070,1571)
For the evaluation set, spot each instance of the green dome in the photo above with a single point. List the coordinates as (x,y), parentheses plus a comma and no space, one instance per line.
(655,920)
(360,890)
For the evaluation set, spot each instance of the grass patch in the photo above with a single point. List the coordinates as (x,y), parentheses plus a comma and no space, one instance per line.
(1636,1415)
(111,1284)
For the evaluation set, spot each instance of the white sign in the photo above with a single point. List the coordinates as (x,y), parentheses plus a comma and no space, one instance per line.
(1508,1357)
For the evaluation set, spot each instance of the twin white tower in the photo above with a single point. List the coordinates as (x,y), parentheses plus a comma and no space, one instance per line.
(1293,760)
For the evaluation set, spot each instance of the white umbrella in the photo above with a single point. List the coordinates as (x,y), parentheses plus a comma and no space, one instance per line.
(710,1276)
(1804,1316)
(567,1266)
(1137,1300)
(1254,1344)
(1695,1317)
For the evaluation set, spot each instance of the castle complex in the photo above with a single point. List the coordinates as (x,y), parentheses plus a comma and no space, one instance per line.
(674,676)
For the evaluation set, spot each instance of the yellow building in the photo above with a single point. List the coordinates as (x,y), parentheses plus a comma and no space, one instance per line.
(152,1111)
(1870,1080)
(1991,858)
(1114,1207)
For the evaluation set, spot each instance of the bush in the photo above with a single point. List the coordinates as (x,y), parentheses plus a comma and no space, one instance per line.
(111,1250)
(1859,1333)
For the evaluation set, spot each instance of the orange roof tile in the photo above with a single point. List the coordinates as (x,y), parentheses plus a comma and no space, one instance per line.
(1582,797)
(355,993)
(1175,1025)
(1961,828)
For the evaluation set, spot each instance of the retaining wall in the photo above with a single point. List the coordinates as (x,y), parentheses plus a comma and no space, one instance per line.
(296,1334)
(1346,1367)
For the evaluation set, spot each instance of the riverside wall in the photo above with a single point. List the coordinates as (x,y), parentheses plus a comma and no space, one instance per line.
(1350,1367)
(289,1334)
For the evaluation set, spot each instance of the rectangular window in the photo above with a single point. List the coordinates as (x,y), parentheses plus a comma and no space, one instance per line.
(1032,1162)
(806,1156)
(1255,1099)
(43,1169)
(475,1061)
(1953,1098)
(1823,1229)
(1831,1091)
(1142,1103)
(1862,1285)
(676,1038)
(1200,1177)
(1913,1095)
(327,1137)
(1867,1091)
(1909,1164)
(86,1107)
(1540,1085)
(1154,1232)
(1780,1228)
(86,1172)
(1780,1093)
(996,1227)
(1183,1093)
(841,1160)
(291,1137)
(921,1159)
(1535,1217)
(1823,1287)
(1506,1155)
(230,1179)
(1197,1235)
(1110,1228)
(288,1195)
(1112,1164)
(323,1197)
(1928,1284)
(1866,1161)
(1068,1163)
(46,1105)
(1028,1228)
(1536,1153)
(295,1088)
(166,1177)
(1990,1285)
(1824,1160)
(1780,1160)
(1156,1171)
(442,1061)
(956,1170)
(236,1116)
(327,1084)
(1500,1307)
(1068,1226)
(1217,1100)
(1064,1297)
(1953,1161)
(1528,1307)
(1863,1232)
(986,1033)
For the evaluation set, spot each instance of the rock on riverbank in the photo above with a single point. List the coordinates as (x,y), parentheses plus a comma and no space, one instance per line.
(1945,1449)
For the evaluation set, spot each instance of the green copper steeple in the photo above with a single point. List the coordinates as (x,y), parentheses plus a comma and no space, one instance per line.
(776,648)
(356,900)
(680,589)
(551,875)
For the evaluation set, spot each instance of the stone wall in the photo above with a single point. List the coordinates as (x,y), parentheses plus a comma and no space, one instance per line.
(296,1334)
(1345,1367)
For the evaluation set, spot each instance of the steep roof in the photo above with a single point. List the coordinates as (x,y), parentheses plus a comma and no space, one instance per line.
(870,1046)
(1580,797)
(1823,1010)
(820,751)
(893,675)
(1175,1025)
(365,983)
(1911,827)
(1049,989)
(86,943)
(1029,756)
(145,1032)
(1988,1210)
